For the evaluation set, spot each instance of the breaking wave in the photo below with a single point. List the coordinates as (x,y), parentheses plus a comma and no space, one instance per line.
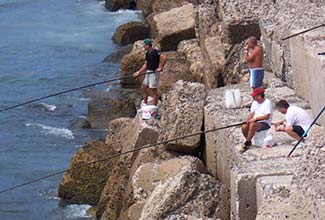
(61,132)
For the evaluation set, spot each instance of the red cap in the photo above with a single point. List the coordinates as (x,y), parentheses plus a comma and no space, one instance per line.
(257,91)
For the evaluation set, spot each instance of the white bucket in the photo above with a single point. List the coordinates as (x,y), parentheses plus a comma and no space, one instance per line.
(149,111)
(232,98)
(258,139)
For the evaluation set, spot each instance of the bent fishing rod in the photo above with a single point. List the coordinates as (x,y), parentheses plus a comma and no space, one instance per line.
(119,154)
(72,90)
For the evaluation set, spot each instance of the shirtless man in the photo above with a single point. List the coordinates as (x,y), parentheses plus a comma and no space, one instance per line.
(254,58)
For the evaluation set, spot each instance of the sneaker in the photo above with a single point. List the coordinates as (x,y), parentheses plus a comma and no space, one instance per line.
(244,147)
(301,145)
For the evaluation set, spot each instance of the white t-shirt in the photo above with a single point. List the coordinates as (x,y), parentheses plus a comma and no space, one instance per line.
(298,116)
(260,109)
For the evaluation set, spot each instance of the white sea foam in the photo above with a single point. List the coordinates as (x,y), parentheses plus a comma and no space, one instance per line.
(77,211)
(61,132)
(49,194)
(124,11)
(47,107)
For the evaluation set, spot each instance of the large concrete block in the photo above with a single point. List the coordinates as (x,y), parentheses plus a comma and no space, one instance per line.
(243,184)
(174,26)
(309,70)
(268,186)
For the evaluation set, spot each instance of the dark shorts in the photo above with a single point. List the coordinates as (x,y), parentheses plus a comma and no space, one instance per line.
(263,126)
(298,130)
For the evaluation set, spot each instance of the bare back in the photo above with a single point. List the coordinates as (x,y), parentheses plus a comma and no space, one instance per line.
(255,58)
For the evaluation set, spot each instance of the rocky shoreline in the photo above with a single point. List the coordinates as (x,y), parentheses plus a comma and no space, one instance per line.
(204,177)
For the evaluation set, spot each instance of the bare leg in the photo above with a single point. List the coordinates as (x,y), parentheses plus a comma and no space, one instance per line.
(291,133)
(154,95)
(253,127)
(244,129)
(144,92)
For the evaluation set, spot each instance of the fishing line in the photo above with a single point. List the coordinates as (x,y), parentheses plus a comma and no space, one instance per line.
(117,155)
(306,132)
(72,90)
(302,32)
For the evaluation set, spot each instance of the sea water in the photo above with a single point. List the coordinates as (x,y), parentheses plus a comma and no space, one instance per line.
(47,46)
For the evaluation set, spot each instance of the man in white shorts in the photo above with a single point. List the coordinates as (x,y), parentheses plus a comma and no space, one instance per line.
(259,118)
(155,62)
(296,122)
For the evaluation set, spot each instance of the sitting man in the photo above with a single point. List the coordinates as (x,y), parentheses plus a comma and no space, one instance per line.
(259,118)
(296,120)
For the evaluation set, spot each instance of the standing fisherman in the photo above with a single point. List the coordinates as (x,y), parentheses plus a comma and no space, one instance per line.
(155,62)
(254,58)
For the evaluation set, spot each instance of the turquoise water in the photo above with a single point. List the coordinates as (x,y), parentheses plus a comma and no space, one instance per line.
(48,46)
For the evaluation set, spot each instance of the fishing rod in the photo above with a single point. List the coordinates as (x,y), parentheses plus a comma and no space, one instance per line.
(306,132)
(302,32)
(117,155)
(71,90)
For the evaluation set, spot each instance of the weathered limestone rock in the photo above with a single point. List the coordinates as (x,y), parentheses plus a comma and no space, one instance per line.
(149,175)
(102,111)
(145,6)
(187,193)
(207,23)
(194,56)
(133,212)
(117,56)
(130,32)
(240,171)
(139,133)
(295,60)
(270,186)
(166,5)
(115,5)
(132,62)
(240,19)
(213,52)
(182,114)
(176,68)
(174,25)
(84,185)
(307,195)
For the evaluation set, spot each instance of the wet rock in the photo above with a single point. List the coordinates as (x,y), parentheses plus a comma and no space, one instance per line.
(80,123)
(84,185)
(176,68)
(115,5)
(174,25)
(182,114)
(117,56)
(187,194)
(131,63)
(102,111)
(130,32)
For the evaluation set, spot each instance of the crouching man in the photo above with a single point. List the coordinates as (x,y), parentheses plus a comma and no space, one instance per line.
(259,118)
(296,120)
